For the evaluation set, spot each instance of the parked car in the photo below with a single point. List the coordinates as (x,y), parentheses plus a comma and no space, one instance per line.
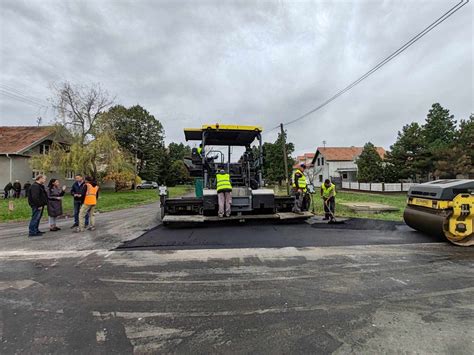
(148,185)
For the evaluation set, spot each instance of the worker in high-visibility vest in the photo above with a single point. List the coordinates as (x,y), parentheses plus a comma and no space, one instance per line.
(199,150)
(299,187)
(90,194)
(328,194)
(224,193)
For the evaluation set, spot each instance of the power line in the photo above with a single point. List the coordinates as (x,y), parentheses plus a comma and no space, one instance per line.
(20,98)
(400,50)
(21,94)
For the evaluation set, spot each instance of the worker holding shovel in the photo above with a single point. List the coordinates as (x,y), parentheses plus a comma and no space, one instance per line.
(328,194)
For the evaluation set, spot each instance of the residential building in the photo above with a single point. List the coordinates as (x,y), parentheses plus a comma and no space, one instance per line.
(336,163)
(306,158)
(17,145)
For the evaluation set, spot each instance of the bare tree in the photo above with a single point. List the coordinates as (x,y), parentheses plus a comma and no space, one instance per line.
(79,107)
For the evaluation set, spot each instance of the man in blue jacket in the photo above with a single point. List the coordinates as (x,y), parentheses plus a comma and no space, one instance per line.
(77,192)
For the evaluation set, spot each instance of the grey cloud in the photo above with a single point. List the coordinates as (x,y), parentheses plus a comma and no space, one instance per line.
(265,62)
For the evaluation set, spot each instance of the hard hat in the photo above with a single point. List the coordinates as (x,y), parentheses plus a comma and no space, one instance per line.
(222,171)
(303,165)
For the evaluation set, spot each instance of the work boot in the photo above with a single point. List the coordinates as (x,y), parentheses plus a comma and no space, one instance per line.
(74,226)
(91,228)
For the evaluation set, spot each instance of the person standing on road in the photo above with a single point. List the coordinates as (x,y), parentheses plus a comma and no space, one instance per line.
(6,190)
(91,194)
(26,187)
(224,193)
(77,192)
(55,205)
(16,189)
(328,194)
(37,199)
(299,187)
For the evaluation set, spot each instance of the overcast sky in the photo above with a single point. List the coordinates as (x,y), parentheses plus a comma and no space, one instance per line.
(246,62)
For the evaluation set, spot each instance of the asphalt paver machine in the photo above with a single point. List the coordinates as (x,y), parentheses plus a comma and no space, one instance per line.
(443,207)
(250,198)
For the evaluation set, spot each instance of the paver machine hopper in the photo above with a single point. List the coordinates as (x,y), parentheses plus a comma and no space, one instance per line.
(250,198)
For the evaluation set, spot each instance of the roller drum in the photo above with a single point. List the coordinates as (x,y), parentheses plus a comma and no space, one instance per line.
(425,220)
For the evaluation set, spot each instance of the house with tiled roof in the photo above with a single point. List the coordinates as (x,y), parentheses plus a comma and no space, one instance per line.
(336,163)
(17,145)
(306,158)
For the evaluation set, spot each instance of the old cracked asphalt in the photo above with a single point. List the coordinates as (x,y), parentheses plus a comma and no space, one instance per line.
(366,291)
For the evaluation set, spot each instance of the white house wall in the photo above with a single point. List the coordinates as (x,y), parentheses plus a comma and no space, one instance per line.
(330,170)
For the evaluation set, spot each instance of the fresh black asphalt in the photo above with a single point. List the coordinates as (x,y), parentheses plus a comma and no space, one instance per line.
(271,235)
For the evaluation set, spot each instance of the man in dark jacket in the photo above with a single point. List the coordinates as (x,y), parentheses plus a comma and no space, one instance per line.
(37,199)
(16,189)
(78,191)
(6,190)
(26,187)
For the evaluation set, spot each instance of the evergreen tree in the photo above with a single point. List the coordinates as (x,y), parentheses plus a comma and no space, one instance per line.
(458,158)
(369,165)
(402,159)
(438,133)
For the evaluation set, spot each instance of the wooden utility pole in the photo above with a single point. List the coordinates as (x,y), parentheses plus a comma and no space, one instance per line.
(285,158)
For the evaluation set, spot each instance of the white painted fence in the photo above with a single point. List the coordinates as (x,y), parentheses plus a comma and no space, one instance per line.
(377,186)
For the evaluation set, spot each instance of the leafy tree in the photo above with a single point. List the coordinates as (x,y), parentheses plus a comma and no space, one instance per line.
(178,173)
(274,167)
(178,151)
(88,149)
(369,164)
(141,134)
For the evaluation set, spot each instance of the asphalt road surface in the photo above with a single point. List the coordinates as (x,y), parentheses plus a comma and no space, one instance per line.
(258,289)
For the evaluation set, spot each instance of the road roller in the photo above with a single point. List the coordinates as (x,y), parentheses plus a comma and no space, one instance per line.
(443,208)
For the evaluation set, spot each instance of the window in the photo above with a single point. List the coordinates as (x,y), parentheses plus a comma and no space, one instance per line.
(320,178)
(318,162)
(44,148)
(70,175)
(344,175)
(322,161)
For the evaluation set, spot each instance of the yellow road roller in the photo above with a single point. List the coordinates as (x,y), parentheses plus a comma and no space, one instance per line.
(443,207)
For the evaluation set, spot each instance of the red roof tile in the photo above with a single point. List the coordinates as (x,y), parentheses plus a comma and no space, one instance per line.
(345,153)
(15,139)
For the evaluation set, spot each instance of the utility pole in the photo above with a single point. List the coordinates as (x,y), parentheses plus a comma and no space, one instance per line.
(135,172)
(285,158)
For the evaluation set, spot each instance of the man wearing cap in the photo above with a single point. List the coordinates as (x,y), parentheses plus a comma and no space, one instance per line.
(299,187)
(224,193)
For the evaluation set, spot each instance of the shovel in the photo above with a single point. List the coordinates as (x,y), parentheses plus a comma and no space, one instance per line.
(333,219)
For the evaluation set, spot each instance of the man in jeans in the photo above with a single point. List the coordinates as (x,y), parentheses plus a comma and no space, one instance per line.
(37,199)
(90,196)
(77,192)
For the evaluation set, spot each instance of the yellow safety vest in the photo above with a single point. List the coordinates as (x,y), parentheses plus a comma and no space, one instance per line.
(91,195)
(199,150)
(327,190)
(223,182)
(301,180)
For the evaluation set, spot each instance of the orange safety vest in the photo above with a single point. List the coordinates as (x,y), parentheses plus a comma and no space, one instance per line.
(91,195)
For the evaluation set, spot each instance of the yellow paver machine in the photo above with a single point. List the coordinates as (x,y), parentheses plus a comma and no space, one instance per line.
(250,198)
(443,207)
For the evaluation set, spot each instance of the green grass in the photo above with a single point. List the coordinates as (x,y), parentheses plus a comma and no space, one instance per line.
(108,201)
(394,200)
